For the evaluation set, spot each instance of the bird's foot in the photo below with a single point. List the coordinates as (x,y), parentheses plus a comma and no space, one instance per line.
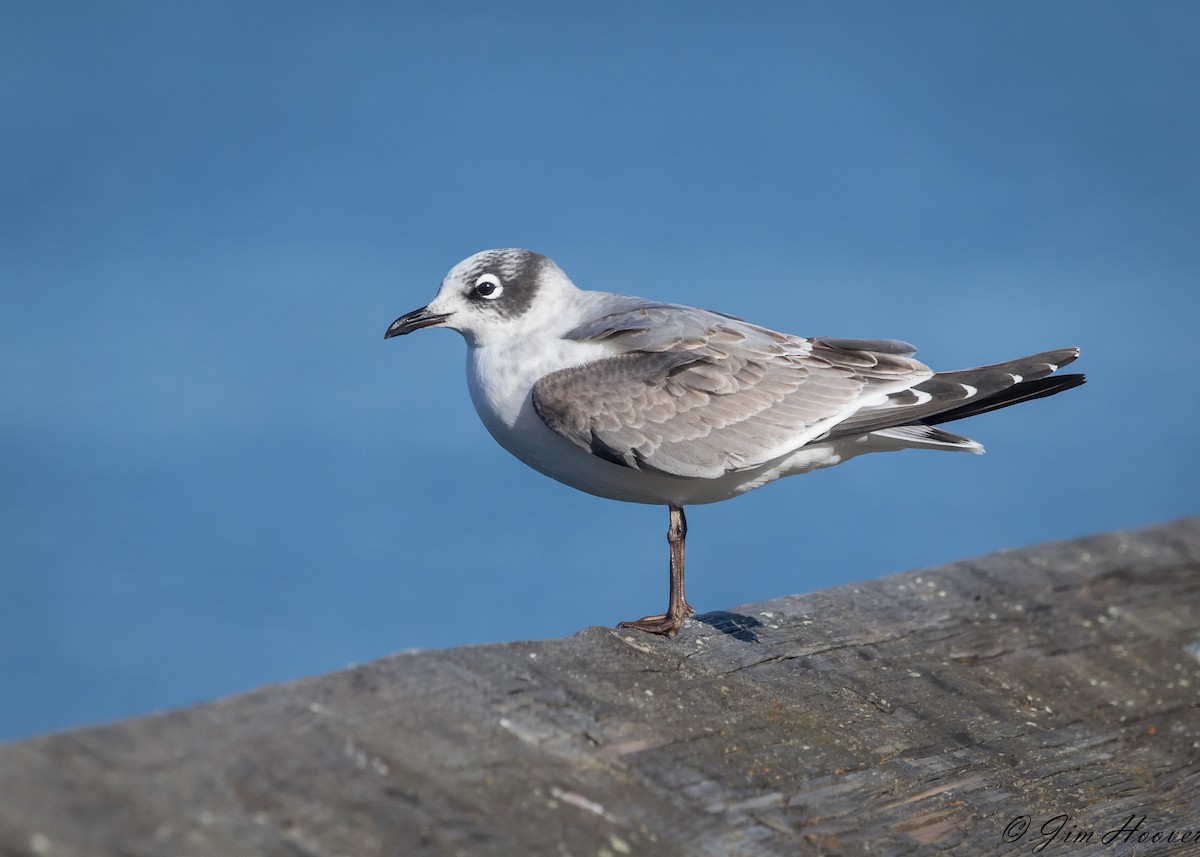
(666,624)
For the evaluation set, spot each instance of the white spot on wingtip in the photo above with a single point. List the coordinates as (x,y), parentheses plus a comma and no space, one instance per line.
(971,391)
(1017,379)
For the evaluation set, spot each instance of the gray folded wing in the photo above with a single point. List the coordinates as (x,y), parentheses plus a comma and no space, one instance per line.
(694,393)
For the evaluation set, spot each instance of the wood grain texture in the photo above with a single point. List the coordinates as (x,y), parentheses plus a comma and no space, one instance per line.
(923,713)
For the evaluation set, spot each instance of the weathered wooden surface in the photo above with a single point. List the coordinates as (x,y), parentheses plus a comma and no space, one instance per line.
(938,710)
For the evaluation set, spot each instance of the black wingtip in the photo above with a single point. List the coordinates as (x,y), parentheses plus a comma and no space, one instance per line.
(1025,391)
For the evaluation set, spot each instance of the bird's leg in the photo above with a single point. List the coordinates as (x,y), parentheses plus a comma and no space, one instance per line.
(676,535)
(678,609)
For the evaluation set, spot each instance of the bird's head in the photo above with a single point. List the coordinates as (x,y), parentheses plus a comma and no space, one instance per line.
(495,293)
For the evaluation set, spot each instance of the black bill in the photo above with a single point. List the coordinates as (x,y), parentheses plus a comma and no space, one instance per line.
(414,320)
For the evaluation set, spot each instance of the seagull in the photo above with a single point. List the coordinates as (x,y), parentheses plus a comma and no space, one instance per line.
(671,405)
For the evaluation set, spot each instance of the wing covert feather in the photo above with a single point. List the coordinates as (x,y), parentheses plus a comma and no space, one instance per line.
(694,393)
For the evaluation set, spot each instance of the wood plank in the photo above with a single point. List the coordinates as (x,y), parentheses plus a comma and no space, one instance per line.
(939,710)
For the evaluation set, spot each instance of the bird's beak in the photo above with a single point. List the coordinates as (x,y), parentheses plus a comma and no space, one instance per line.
(414,320)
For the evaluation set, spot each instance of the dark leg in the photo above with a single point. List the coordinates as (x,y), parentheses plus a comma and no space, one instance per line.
(678,609)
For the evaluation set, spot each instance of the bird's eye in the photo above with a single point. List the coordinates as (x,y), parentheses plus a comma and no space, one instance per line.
(489,286)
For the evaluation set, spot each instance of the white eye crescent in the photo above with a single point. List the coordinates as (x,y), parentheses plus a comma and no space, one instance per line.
(489,286)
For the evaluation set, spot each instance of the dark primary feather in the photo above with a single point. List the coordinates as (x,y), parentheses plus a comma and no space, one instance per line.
(950,395)
(1026,391)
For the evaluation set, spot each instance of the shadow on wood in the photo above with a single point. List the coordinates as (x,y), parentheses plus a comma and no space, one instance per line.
(988,706)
